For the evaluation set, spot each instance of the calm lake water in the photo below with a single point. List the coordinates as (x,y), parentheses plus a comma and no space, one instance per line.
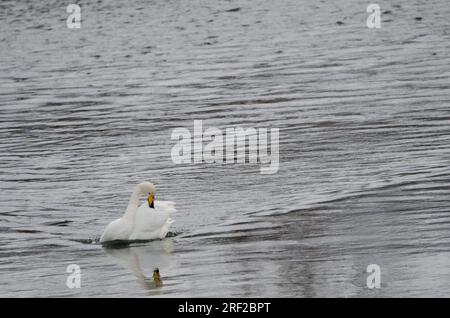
(364,119)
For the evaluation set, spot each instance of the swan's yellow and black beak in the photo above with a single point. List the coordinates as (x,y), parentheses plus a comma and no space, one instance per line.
(151,201)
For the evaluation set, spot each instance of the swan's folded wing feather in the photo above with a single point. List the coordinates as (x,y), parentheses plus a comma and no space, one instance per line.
(116,230)
(149,222)
(168,206)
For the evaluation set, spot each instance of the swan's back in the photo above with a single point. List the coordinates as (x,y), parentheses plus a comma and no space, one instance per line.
(153,223)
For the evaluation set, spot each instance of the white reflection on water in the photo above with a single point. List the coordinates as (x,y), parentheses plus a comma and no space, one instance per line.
(147,261)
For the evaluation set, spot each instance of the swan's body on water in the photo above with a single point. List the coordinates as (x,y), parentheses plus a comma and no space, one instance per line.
(151,220)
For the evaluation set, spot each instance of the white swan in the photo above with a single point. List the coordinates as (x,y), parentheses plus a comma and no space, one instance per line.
(149,221)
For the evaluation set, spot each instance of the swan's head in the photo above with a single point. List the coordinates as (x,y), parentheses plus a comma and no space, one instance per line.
(148,189)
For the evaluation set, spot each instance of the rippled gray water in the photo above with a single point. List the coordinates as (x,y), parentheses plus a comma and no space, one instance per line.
(364,124)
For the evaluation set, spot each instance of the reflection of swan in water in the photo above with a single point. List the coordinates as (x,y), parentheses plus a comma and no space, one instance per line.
(147,262)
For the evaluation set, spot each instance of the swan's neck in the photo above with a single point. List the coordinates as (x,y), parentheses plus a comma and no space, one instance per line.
(132,204)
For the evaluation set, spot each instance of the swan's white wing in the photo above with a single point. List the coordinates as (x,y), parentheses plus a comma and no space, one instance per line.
(152,223)
(168,206)
(116,230)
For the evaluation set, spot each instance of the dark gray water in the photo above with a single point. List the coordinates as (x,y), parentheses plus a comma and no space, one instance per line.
(364,123)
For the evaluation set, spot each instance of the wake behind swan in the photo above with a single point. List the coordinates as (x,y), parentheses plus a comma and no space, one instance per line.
(149,221)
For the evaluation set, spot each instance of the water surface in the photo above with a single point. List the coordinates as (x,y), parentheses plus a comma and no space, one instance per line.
(364,123)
